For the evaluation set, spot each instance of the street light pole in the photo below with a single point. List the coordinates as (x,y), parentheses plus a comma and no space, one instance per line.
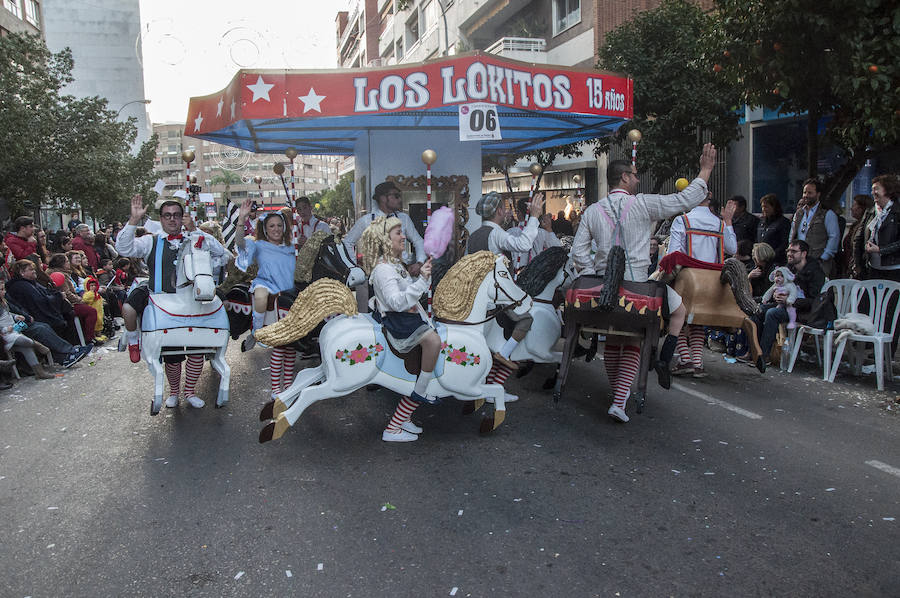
(119,111)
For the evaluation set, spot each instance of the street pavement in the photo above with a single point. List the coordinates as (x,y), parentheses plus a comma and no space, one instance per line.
(740,484)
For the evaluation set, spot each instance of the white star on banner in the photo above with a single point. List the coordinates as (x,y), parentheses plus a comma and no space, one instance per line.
(233,105)
(260,89)
(198,121)
(311,101)
(219,107)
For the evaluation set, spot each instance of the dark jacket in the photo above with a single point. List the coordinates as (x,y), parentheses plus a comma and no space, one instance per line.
(775,232)
(761,284)
(888,237)
(810,280)
(745,227)
(44,305)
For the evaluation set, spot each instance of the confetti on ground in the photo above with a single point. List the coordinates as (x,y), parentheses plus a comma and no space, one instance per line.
(453,591)
(319,567)
(723,442)
(709,473)
(287,573)
(459,513)
(49,546)
(239,575)
(696,440)
(675,471)
(387,506)
(887,518)
(537,445)
(517,500)
(829,489)
(52,508)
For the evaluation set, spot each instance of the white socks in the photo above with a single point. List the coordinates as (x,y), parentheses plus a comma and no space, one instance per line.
(509,347)
(258,319)
(422,382)
(133,336)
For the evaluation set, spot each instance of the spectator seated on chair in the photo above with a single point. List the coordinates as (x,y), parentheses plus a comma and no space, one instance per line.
(11,326)
(61,273)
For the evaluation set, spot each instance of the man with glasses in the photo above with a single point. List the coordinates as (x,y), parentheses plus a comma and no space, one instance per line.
(809,278)
(389,202)
(623,218)
(160,252)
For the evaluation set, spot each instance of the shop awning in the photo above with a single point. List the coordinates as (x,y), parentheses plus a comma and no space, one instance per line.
(327,111)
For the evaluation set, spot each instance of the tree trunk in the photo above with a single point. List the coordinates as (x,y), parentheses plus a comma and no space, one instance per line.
(812,144)
(837,183)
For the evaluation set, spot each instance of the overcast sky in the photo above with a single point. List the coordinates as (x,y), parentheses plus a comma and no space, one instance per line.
(193,48)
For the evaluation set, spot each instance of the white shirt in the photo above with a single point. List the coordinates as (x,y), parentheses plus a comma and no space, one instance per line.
(521,241)
(644,209)
(396,292)
(409,231)
(129,246)
(543,240)
(702,247)
(312,226)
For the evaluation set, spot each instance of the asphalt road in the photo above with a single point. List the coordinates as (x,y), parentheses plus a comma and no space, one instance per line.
(738,485)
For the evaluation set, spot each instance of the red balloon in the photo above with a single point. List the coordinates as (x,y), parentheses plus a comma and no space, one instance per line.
(58,278)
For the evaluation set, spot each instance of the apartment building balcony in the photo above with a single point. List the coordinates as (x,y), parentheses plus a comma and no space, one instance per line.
(425,47)
(525,49)
(484,15)
(386,39)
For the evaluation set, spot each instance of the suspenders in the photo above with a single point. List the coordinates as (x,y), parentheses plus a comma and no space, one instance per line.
(690,231)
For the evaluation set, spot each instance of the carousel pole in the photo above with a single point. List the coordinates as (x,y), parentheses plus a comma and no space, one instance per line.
(278,169)
(535,169)
(258,180)
(578,197)
(634,136)
(188,157)
(291,153)
(429,157)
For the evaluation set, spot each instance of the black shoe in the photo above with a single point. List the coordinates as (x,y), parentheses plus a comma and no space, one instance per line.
(761,364)
(5,385)
(663,374)
(77,355)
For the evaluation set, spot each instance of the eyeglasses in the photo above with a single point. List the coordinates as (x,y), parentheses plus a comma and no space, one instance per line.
(169,216)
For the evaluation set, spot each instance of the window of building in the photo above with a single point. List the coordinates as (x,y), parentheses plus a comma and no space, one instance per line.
(13,7)
(566,14)
(412,29)
(32,13)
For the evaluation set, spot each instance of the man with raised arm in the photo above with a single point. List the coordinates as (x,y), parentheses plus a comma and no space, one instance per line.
(160,252)
(623,218)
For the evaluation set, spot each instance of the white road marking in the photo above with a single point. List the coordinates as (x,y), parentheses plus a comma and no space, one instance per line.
(884,467)
(718,402)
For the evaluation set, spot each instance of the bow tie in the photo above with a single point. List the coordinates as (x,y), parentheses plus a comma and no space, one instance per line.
(174,238)
(305,222)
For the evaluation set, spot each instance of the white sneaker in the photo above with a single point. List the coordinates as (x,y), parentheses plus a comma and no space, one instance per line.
(172,402)
(507,398)
(401,436)
(410,427)
(195,401)
(618,414)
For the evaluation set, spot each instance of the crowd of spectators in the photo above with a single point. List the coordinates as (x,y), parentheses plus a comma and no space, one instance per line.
(60,292)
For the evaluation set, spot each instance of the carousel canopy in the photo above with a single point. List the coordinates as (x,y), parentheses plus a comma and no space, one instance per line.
(327,111)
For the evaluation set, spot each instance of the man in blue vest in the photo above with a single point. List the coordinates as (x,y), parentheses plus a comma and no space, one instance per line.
(160,252)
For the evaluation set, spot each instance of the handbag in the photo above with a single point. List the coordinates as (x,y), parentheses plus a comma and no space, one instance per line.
(823,313)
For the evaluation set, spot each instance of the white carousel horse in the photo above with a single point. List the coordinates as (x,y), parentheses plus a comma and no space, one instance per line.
(355,352)
(190,321)
(540,279)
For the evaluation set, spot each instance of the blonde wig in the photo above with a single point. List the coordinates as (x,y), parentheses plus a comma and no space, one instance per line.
(211,227)
(455,294)
(375,242)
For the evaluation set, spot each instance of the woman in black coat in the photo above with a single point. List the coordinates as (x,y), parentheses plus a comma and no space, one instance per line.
(883,246)
(774,229)
(43,304)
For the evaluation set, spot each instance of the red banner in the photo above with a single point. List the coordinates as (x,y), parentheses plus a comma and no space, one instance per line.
(441,83)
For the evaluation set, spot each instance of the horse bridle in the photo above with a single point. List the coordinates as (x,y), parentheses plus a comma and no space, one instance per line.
(491,314)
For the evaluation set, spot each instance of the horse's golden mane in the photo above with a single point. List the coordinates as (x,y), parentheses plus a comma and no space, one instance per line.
(306,258)
(455,294)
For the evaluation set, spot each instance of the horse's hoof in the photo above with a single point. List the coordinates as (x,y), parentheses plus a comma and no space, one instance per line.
(266,434)
(267,412)
(155,406)
(278,408)
(761,364)
(274,430)
(489,424)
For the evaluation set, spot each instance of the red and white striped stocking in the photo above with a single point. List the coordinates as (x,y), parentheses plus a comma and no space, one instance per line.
(401,414)
(628,370)
(173,375)
(288,358)
(697,337)
(611,359)
(276,367)
(681,347)
(192,368)
(498,374)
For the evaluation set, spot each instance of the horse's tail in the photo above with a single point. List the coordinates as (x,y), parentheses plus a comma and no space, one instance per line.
(612,279)
(319,300)
(734,274)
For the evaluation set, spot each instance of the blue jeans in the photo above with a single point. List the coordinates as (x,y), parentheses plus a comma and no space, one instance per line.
(44,334)
(769,319)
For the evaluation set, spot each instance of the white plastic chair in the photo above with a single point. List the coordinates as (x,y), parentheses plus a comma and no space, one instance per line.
(879,294)
(842,303)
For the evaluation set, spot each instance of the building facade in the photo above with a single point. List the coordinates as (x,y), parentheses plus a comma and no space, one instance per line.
(104,37)
(228,172)
(21,16)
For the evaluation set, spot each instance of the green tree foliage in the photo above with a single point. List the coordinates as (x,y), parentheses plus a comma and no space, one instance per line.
(678,99)
(226,177)
(834,59)
(62,150)
(337,201)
